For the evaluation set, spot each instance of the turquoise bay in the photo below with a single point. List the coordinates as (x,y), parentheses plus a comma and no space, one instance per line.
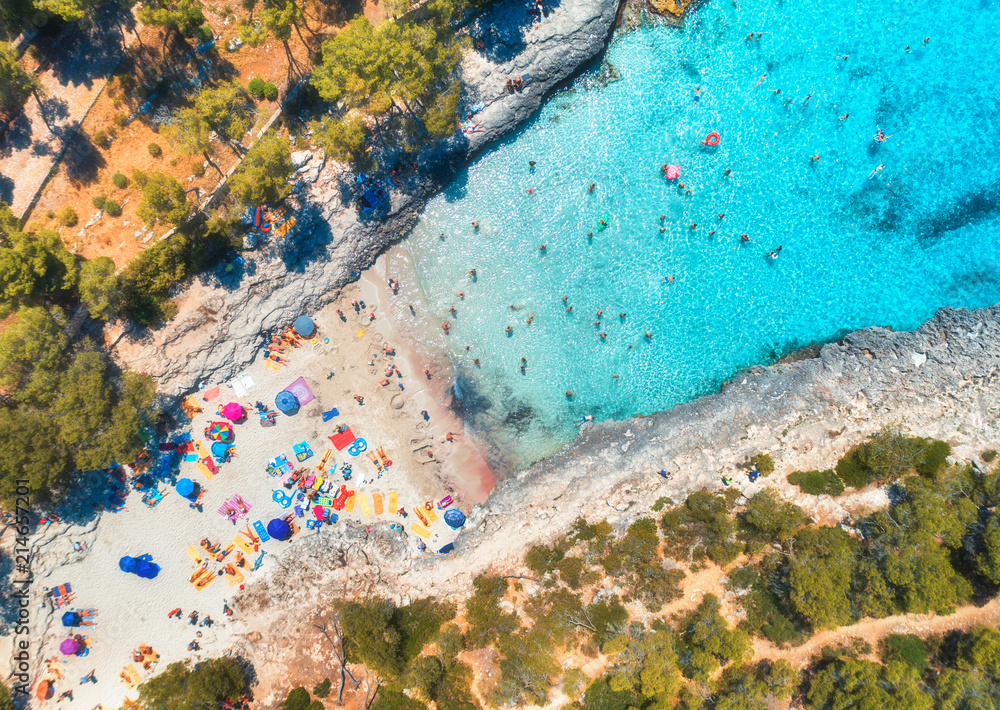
(859,248)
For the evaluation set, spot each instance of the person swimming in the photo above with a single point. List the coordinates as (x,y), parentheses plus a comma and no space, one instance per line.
(697,95)
(508,329)
(876,171)
(744,238)
(774,254)
(592,186)
(516,308)
(602,222)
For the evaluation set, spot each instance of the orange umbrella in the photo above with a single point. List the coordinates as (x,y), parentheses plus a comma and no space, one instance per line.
(44,690)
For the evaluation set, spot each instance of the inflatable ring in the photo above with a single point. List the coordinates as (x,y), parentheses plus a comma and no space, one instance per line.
(326,340)
(361,444)
(314,341)
(428,506)
(712,139)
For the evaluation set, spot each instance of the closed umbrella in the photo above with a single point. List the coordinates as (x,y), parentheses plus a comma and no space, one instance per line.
(304,326)
(185,487)
(233,412)
(286,402)
(69,647)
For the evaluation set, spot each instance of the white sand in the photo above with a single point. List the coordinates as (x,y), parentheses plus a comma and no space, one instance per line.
(134,611)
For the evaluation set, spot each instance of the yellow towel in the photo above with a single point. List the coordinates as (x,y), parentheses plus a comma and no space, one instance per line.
(377,503)
(351,499)
(272,365)
(202,451)
(431,515)
(325,460)
(205,470)
(363,502)
(243,545)
(421,531)
(195,555)
(393,502)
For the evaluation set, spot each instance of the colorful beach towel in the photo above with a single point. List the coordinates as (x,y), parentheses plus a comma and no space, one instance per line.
(62,595)
(302,451)
(341,440)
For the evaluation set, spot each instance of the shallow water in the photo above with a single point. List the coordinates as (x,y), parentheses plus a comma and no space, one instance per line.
(858,250)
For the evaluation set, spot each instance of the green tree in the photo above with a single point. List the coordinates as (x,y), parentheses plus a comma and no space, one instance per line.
(262,177)
(820,576)
(34,341)
(980,650)
(768,519)
(441,116)
(34,265)
(370,637)
(5,701)
(964,690)
(178,17)
(189,134)
(701,527)
(708,642)
(639,545)
(526,670)
(923,578)
(27,452)
(297,699)
(342,139)
(645,662)
(99,287)
(848,683)
(418,622)
(204,686)
(758,687)
(424,673)
(487,620)
(228,109)
(988,561)
(84,401)
(15,82)
(163,199)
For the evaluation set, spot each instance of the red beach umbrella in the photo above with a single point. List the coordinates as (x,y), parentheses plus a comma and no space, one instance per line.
(233,412)
(44,690)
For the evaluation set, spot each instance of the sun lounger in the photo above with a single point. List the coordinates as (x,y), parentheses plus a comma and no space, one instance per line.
(421,531)
(195,555)
(377,503)
(244,545)
(352,498)
(323,462)
(363,502)
(318,483)
(393,502)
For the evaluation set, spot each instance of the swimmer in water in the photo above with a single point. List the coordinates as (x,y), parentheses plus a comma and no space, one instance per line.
(663,217)
(760,79)
(602,222)
(815,157)
(603,335)
(876,171)
(697,95)
(570,394)
(600,313)
(622,315)
(649,335)
(592,186)
(475,225)
(531,191)
(744,238)
(694,225)
(452,310)
(472,273)
(461,295)
(844,117)
(516,308)
(541,247)
(722,215)
(569,309)
(507,329)
(711,233)
(476,360)
(774,254)
(531,317)
(667,279)
(531,164)
(662,230)
(442,236)
(727,172)
(565,298)
(590,235)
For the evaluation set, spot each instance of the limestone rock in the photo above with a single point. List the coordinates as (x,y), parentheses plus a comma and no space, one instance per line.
(300,158)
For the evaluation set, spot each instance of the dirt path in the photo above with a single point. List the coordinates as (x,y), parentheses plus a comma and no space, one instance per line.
(874,630)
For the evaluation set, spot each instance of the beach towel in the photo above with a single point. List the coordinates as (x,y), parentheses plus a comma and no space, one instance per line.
(206,472)
(130,677)
(302,451)
(341,440)
(238,388)
(272,365)
(377,503)
(363,502)
(280,465)
(421,531)
(351,500)
(204,581)
(330,414)
(191,457)
(248,384)
(301,391)
(324,501)
(431,515)
(323,462)
(62,595)
(318,483)
(261,531)
(195,555)
(210,394)
(200,450)
(244,545)
(393,502)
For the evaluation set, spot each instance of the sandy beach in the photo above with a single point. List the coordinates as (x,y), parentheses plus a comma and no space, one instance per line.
(132,611)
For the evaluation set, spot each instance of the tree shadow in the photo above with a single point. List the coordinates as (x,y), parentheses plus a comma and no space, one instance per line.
(18,136)
(88,54)
(83,160)
(499,33)
(307,239)
(6,189)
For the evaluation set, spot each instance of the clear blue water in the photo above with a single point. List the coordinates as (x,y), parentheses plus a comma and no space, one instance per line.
(857,250)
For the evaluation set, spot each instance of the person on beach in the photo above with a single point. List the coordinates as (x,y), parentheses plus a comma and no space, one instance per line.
(192,618)
(427,373)
(89,678)
(449,436)
(359,399)
(424,414)
(341,314)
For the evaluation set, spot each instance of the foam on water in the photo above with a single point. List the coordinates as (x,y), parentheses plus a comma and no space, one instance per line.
(858,251)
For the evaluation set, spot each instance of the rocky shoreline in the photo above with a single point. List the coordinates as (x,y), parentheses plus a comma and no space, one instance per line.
(222,317)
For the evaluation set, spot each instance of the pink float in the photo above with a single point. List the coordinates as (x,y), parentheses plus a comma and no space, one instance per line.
(671,172)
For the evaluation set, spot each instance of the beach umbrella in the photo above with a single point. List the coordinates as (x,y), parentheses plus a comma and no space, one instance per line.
(233,412)
(278,529)
(69,647)
(304,326)
(455,518)
(219,448)
(70,618)
(146,569)
(450,547)
(185,486)
(286,402)
(219,431)
(44,690)
(127,564)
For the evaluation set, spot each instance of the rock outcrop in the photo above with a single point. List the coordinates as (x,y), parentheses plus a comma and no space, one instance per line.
(223,315)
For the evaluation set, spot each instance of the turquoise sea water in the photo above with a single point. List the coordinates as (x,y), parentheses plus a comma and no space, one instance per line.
(857,250)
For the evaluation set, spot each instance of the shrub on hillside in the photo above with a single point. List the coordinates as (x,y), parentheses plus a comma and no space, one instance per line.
(256,87)
(889,455)
(112,208)
(98,201)
(119,181)
(763,463)
(817,483)
(154,150)
(908,648)
(102,139)
(139,177)
(67,217)
(270,91)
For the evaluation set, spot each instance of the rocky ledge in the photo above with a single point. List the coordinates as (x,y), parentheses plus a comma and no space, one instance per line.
(222,316)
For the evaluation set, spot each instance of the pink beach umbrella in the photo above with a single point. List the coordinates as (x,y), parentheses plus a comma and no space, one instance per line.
(69,647)
(672,172)
(233,412)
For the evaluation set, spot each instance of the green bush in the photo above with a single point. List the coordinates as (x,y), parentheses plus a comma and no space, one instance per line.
(321,690)
(119,181)
(270,91)
(198,169)
(205,33)
(889,455)
(67,217)
(154,150)
(989,455)
(256,87)
(934,457)
(98,201)
(908,648)
(139,178)
(112,208)
(102,139)
(767,614)
(763,463)
(120,120)
(817,483)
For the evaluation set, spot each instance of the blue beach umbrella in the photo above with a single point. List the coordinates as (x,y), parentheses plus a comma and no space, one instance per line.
(70,618)
(278,529)
(286,402)
(455,518)
(127,564)
(304,326)
(185,487)
(219,448)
